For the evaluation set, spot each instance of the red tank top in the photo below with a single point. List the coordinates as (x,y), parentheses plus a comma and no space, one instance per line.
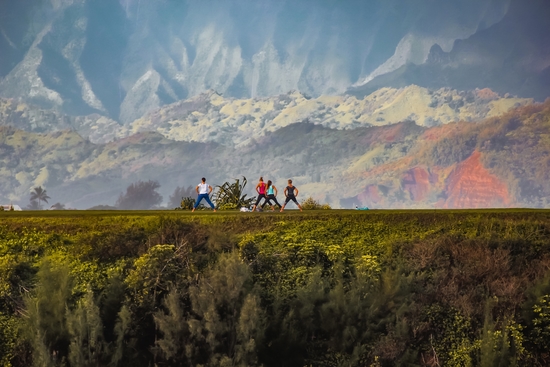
(262,188)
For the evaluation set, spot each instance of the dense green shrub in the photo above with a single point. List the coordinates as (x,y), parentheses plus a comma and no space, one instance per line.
(293,289)
(187,203)
(312,204)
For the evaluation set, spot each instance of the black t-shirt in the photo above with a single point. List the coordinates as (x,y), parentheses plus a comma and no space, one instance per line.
(290,190)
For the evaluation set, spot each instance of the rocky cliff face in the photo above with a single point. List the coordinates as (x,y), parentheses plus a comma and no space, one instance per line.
(126,58)
(460,165)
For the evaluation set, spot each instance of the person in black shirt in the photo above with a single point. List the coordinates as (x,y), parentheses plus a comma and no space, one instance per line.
(291,192)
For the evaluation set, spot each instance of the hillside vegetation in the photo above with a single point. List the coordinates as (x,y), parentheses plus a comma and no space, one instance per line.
(210,117)
(229,121)
(378,288)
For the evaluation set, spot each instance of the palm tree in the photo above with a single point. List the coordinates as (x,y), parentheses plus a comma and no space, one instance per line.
(39,194)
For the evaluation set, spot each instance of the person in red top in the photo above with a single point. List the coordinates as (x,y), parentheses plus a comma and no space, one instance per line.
(260,189)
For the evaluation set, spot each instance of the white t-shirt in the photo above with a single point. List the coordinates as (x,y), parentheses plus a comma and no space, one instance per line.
(203,188)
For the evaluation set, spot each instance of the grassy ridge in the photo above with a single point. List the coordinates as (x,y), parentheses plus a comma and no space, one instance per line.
(323,288)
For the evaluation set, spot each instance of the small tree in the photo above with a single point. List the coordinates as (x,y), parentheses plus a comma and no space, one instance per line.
(312,204)
(39,194)
(140,195)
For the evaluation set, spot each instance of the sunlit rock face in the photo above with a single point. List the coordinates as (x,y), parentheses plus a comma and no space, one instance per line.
(470,185)
(124,59)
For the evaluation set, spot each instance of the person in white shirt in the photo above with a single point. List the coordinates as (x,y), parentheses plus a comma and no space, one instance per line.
(204,190)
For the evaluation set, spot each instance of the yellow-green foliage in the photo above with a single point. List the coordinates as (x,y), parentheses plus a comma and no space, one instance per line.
(319,287)
(541,322)
(187,203)
(9,333)
(312,204)
(154,273)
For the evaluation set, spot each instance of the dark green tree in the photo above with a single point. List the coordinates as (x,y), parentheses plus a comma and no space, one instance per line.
(140,195)
(225,324)
(46,309)
(39,194)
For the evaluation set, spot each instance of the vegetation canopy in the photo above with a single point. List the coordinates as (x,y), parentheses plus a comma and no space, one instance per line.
(318,288)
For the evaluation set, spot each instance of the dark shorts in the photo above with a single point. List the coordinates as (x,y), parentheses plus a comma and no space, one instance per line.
(293,198)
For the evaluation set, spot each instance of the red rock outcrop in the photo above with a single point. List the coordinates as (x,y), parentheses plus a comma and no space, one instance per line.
(418,182)
(370,196)
(470,185)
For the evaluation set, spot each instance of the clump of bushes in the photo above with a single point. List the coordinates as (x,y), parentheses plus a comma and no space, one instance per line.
(231,196)
(312,204)
(187,203)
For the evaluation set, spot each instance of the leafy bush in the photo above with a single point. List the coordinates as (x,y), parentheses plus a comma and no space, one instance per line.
(312,204)
(187,203)
(318,288)
(231,196)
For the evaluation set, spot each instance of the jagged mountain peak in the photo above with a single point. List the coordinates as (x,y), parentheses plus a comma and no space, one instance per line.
(124,59)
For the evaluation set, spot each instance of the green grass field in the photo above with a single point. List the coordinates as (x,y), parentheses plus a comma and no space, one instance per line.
(319,288)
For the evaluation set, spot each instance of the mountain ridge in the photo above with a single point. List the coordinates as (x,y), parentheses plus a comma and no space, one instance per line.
(501,161)
(124,59)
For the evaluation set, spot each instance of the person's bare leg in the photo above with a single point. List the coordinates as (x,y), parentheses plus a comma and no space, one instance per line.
(254,208)
(299,206)
(193,210)
(282,208)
